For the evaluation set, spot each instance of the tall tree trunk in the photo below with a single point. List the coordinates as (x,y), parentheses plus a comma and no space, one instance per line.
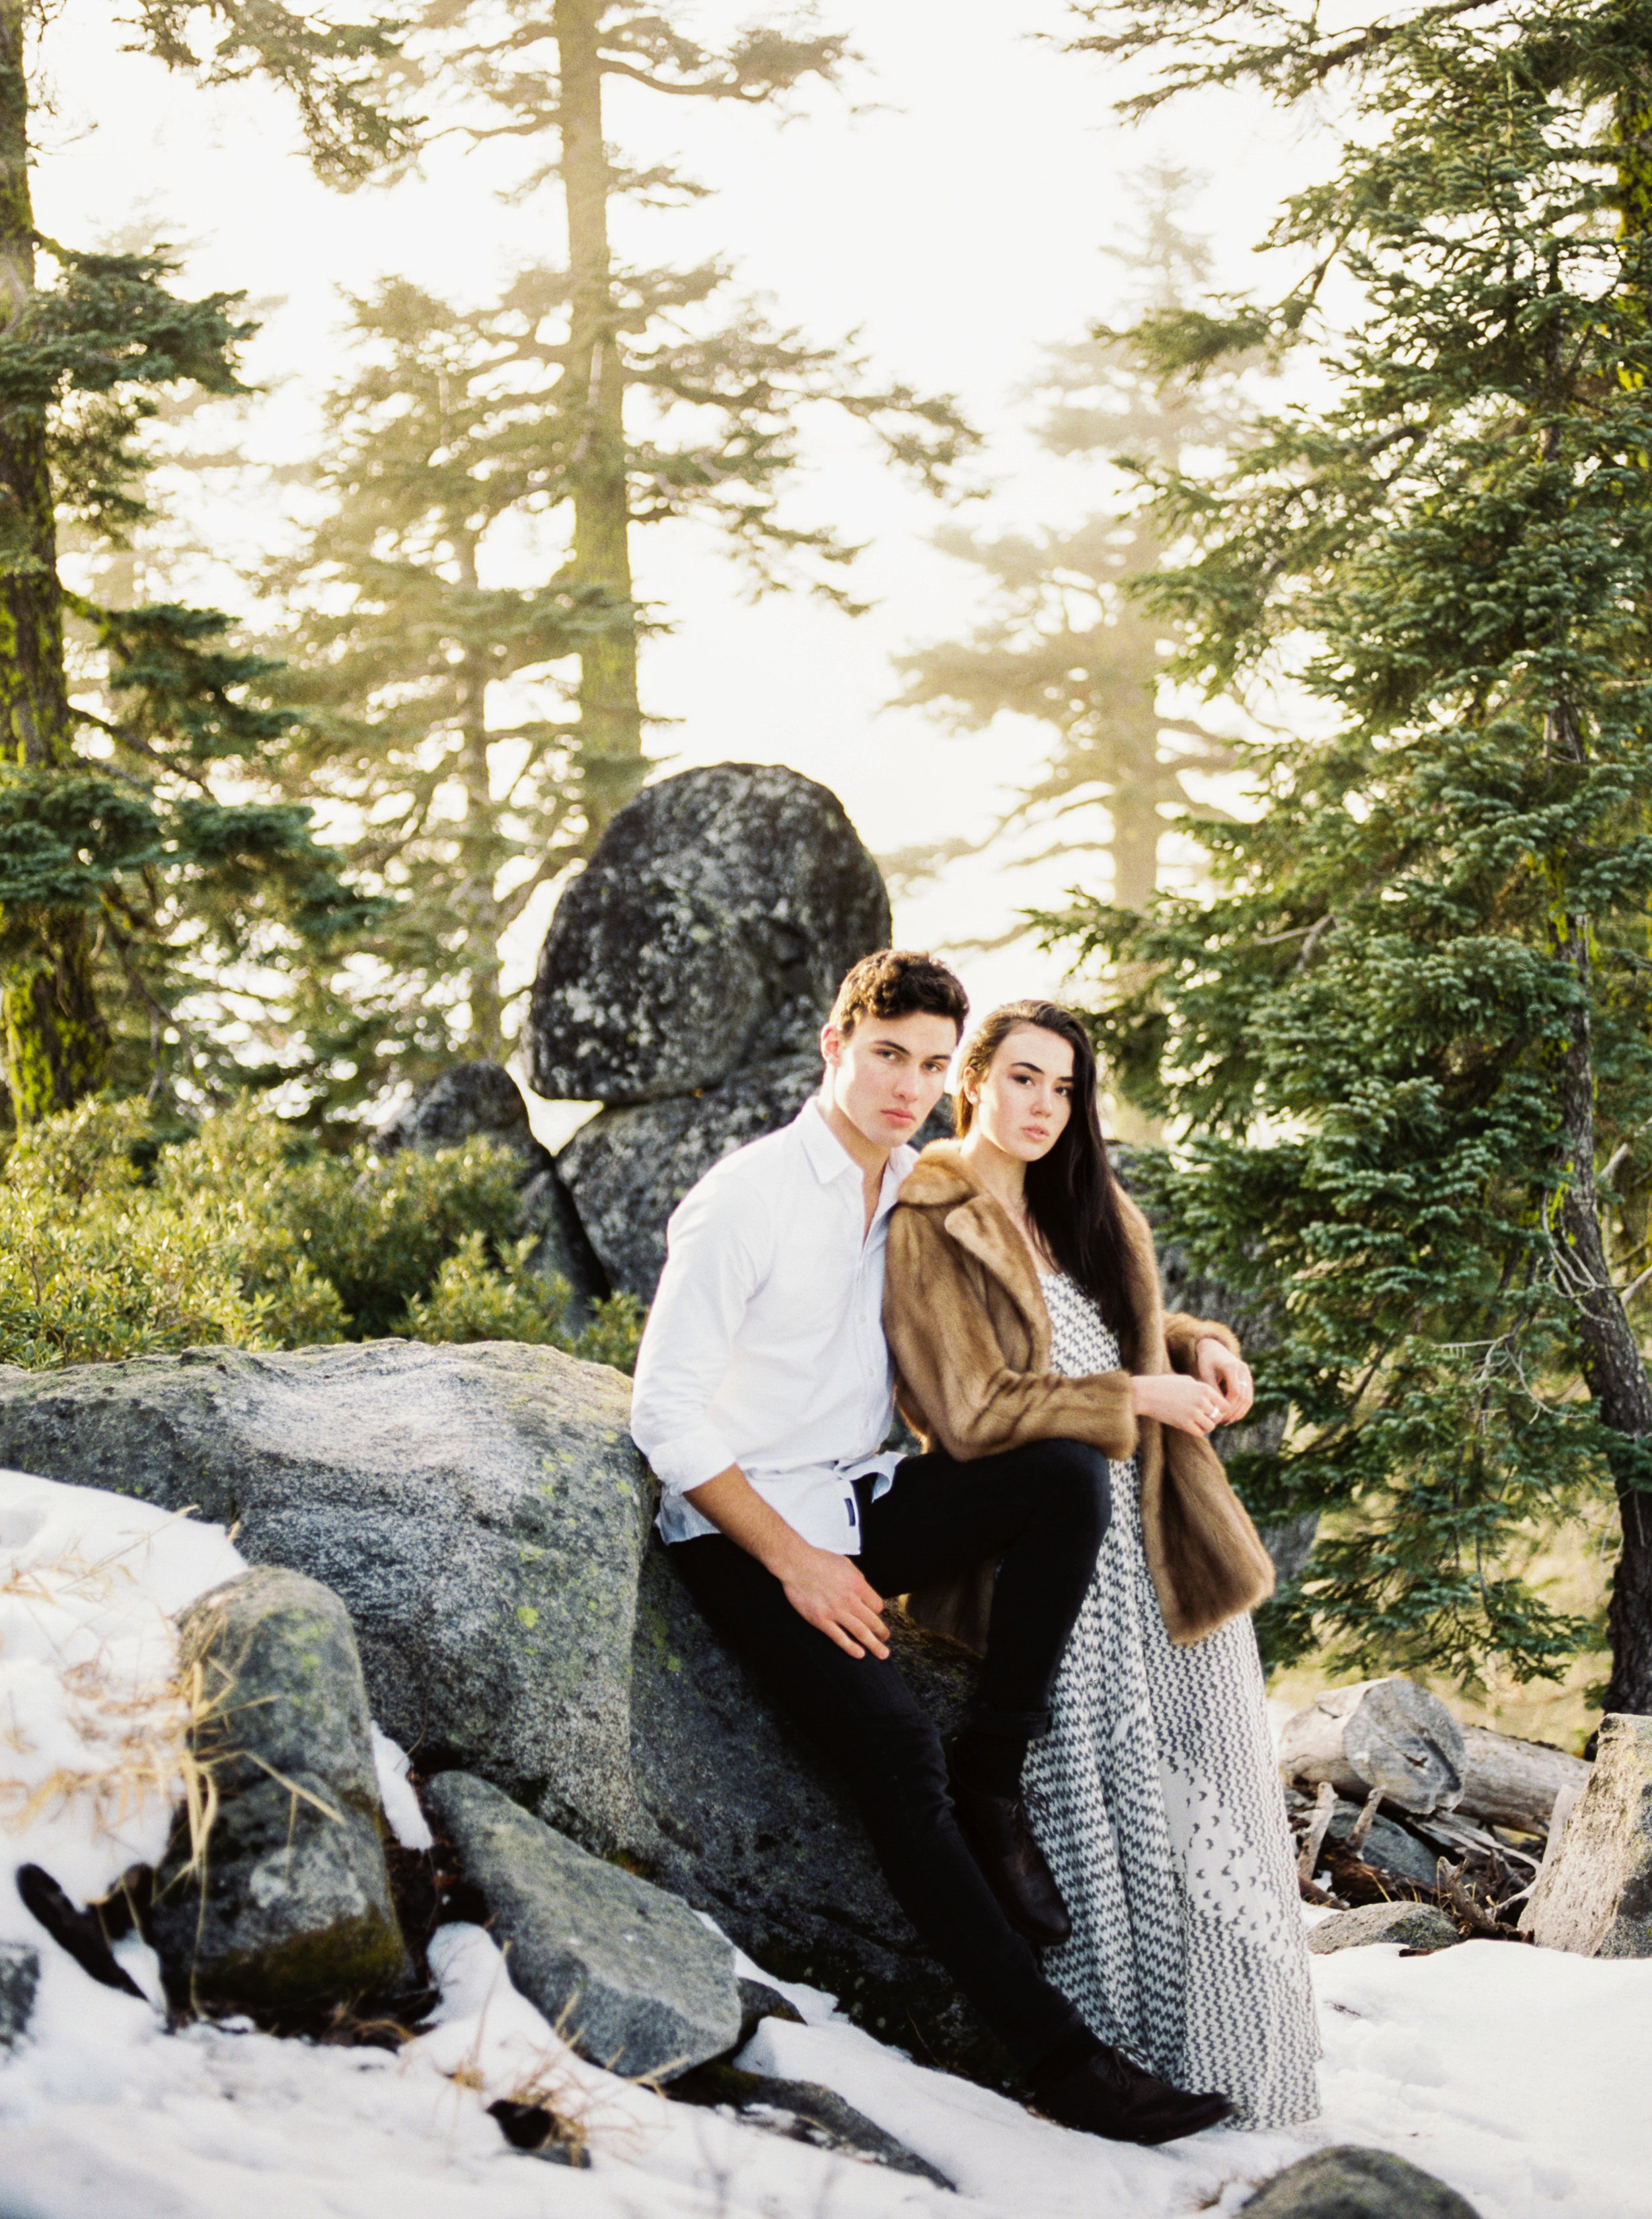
(56,1044)
(611,725)
(1137,827)
(478,899)
(1613,1368)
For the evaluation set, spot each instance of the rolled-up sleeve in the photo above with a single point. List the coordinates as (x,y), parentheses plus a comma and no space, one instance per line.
(713,1268)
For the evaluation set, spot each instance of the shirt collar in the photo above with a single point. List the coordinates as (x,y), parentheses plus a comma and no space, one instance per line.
(830,1159)
(827,1154)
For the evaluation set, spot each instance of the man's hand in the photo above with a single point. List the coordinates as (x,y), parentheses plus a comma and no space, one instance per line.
(821,1586)
(1230,1376)
(828,1590)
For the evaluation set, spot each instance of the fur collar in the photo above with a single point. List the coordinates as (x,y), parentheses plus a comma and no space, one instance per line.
(941,1179)
(940,1176)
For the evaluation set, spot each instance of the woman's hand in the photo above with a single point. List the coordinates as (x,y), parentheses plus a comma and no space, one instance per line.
(1192,1406)
(1230,1376)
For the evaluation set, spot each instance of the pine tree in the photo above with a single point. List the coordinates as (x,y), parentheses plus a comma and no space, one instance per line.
(1065,642)
(1411,1035)
(439,446)
(111,839)
(662,404)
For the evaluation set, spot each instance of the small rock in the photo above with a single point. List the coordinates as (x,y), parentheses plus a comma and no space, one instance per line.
(628,1169)
(290,1910)
(1389,1848)
(708,933)
(758,2001)
(20,1979)
(638,1984)
(469,1101)
(532,2128)
(803,2111)
(1413,1925)
(1351,2182)
(1595,1896)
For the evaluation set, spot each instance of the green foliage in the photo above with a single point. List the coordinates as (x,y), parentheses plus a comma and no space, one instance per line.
(184,883)
(1412,1029)
(101,935)
(247,1233)
(463,437)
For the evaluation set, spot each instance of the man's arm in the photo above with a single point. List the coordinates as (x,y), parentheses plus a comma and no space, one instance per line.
(821,1586)
(717,1251)
(717,1256)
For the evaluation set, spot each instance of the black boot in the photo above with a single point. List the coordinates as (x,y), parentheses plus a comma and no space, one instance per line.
(1001,1840)
(1106,2095)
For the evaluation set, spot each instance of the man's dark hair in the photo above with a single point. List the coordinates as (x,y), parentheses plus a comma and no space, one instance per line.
(899,982)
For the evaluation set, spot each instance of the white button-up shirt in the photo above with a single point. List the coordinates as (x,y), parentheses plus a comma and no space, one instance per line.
(765,1347)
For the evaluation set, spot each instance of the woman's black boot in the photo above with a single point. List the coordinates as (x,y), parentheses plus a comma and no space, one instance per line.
(1106,2095)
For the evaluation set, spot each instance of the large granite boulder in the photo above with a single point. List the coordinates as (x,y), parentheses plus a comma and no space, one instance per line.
(628,1169)
(478,1509)
(482,1514)
(287,1906)
(1593,1895)
(633,1979)
(707,934)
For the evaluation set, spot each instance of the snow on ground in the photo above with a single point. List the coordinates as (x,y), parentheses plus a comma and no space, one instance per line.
(1519,2075)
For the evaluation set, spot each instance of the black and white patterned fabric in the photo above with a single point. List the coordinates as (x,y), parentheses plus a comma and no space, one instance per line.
(1156,1798)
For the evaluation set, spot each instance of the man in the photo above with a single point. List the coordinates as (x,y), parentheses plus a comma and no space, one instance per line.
(763,1396)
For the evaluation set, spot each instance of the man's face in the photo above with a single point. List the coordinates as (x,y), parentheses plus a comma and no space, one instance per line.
(886,1076)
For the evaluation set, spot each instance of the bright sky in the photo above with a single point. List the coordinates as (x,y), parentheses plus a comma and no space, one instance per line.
(956,220)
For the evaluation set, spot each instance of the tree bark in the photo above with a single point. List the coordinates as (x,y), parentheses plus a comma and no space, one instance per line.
(1613,1367)
(1614,1370)
(56,1042)
(1137,830)
(477,899)
(610,724)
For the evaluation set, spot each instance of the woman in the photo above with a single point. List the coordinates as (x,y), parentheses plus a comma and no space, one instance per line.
(1018,1266)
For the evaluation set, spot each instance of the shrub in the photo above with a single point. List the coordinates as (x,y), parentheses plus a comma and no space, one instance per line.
(249,1233)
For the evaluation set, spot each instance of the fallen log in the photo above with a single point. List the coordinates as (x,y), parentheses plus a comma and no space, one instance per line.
(1510,1782)
(1385,1734)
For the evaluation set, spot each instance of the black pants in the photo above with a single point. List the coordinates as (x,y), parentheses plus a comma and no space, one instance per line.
(1043,1511)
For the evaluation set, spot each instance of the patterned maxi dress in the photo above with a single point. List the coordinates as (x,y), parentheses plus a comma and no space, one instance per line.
(1156,1799)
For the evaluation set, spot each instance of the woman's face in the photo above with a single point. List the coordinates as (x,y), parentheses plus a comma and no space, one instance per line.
(1024,1100)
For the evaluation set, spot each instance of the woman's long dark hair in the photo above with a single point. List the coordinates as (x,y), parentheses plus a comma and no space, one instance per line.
(1072,1194)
